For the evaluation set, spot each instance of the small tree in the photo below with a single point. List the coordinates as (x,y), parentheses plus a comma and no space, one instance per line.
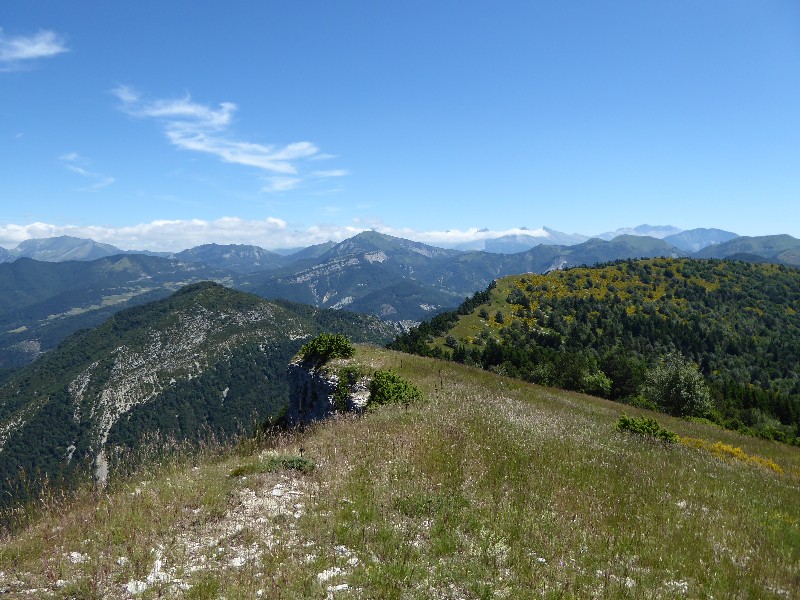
(327,346)
(676,386)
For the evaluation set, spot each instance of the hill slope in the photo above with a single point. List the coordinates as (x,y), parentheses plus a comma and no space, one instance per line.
(495,488)
(206,360)
(774,248)
(43,302)
(599,329)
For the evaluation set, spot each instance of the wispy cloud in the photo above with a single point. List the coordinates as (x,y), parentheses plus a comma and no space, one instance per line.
(17,51)
(281,184)
(189,125)
(332,173)
(77,164)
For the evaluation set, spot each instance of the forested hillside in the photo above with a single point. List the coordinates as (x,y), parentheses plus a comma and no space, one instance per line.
(602,329)
(206,361)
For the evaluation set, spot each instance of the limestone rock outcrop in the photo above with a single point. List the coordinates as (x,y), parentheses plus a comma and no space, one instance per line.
(313,391)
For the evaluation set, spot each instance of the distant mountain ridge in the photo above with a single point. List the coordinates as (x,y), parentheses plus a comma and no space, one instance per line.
(656,231)
(250,258)
(697,239)
(393,278)
(774,248)
(511,244)
(235,257)
(57,249)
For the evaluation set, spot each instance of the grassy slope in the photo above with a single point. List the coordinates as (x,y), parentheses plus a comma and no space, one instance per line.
(495,488)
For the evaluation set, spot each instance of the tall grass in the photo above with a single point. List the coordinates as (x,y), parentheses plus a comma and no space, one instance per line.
(493,488)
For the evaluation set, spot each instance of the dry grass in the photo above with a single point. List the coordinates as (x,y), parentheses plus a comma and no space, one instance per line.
(493,489)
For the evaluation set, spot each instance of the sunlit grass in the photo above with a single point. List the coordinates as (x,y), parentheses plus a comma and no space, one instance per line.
(492,489)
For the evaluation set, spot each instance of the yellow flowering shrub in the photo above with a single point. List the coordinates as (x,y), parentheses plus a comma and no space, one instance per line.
(728,452)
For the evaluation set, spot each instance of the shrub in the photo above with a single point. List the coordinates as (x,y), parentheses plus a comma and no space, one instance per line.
(274,463)
(645,426)
(327,346)
(728,452)
(387,387)
(596,384)
(677,387)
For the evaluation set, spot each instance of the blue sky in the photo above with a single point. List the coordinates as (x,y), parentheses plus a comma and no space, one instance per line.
(164,125)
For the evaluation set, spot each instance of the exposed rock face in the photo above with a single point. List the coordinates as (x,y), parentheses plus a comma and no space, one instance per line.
(312,392)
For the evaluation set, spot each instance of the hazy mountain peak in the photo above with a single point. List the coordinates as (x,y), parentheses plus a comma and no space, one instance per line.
(240,258)
(694,240)
(61,248)
(656,231)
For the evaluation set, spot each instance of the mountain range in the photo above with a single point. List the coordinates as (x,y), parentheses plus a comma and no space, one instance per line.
(393,278)
(248,258)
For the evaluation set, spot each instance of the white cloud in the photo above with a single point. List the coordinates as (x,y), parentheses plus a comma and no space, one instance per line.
(16,50)
(332,173)
(454,237)
(77,164)
(270,233)
(189,125)
(281,184)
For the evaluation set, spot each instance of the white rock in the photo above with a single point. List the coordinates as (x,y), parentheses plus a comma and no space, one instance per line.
(237,562)
(329,574)
(342,587)
(136,587)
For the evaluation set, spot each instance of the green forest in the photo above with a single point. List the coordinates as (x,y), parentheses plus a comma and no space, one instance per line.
(603,330)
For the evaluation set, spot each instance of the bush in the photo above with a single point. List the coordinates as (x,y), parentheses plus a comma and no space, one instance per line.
(327,346)
(272,464)
(647,427)
(596,384)
(676,386)
(387,387)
